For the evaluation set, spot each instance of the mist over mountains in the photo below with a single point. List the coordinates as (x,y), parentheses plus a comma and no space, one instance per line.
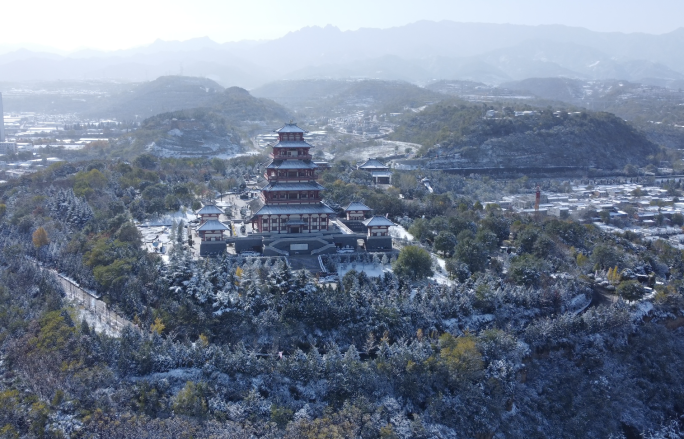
(418,52)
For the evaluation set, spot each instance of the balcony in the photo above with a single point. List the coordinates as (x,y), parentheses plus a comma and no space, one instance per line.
(291,157)
(302,177)
(285,201)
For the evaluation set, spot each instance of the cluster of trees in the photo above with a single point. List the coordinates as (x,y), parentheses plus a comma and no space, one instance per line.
(449,130)
(245,347)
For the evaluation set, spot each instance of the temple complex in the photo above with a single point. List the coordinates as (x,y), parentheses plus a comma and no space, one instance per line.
(292,199)
(293,219)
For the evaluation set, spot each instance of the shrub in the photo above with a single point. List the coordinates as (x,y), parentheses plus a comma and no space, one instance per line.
(631,290)
(191,400)
(526,270)
(413,262)
(40,238)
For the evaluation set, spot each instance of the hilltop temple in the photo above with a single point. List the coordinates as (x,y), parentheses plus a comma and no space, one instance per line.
(293,219)
(292,199)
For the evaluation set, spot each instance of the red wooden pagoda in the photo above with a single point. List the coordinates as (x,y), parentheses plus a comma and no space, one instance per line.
(292,198)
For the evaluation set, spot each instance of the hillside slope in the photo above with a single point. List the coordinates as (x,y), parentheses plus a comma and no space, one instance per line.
(324,95)
(174,93)
(164,94)
(466,139)
(186,133)
(238,105)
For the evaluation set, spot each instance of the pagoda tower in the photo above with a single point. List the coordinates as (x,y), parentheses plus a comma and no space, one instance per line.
(292,199)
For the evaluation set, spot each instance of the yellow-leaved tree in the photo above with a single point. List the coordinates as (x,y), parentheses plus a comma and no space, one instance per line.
(40,238)
(158,326)
(460,356)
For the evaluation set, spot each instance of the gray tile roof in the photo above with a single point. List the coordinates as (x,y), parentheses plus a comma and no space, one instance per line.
(309,186)
(209,209)
(373,164)
(355,205)
(378,221)
(295,209)
(292,144)
(291,164)
(290,128)
(212,225)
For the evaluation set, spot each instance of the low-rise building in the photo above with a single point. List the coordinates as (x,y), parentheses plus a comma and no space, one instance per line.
(356,211)
(380,173)
(209,213)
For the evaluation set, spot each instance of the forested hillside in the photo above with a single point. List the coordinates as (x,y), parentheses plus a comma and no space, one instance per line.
(187,133)
(461,136)
(173,93)
(164,94)
(513,345)
(238,105)
(324,95)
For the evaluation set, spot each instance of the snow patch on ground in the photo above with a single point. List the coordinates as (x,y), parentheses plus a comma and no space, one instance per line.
(370,269)
(176,377)
(400,233)
(642,310)
(441,276)
(579,303)
(478,321)
(168,218)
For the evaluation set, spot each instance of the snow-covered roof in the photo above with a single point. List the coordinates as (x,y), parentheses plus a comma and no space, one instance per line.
(378,221)
(290,128)
(293,144)
(295,209)
(291,164)
(373,164)
(212,225)
(209,209)
(306,186)
(355,205)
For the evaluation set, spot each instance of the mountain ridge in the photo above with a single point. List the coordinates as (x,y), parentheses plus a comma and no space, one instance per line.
(502,52)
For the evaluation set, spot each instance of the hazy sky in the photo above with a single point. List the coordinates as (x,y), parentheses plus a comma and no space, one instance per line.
(118,24)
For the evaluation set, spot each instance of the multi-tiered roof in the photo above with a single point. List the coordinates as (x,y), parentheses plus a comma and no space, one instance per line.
(292,198)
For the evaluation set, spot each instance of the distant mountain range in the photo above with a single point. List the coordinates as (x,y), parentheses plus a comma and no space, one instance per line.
(418,52)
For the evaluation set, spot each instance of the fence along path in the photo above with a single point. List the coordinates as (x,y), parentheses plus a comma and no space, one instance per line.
(93,310)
